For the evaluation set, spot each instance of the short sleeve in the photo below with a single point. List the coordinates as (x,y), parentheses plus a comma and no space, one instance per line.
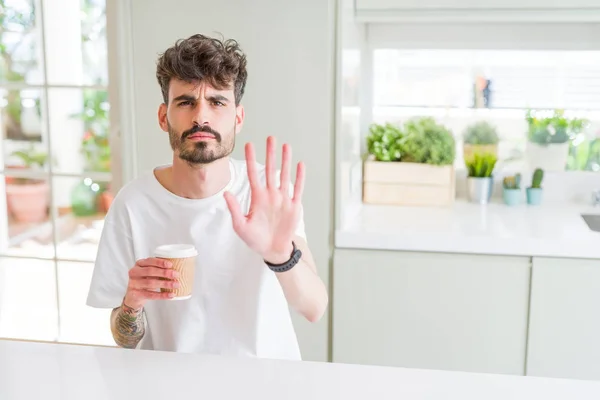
(114,259)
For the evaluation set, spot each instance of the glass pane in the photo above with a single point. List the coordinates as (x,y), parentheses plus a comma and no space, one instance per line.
(76,50)
(487,79)
(28,299)
(27,228)
(78,322)
(461,88)
(82,205)
(22,130)
(79,130)
(20,49)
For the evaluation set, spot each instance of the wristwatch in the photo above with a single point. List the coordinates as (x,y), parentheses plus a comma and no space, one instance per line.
(289,264)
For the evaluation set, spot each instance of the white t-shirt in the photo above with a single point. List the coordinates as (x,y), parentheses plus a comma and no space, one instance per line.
(237,307)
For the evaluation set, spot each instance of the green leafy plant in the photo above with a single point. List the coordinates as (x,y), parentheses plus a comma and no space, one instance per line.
(383,142)
(538,177)
(512,182)
(480,133)
(420,140)
(555,128)
(425,141)
(481,165)
(31,158)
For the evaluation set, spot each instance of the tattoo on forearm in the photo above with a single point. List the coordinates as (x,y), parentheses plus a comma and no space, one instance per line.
(127,326)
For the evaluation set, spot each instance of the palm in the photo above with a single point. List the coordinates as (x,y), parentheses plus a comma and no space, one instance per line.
(269,226)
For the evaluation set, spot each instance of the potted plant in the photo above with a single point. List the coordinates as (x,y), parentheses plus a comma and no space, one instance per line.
(480,137)
(534,192)
(28,199)
(511,192)
(410,165)
(480,180)
(549,138)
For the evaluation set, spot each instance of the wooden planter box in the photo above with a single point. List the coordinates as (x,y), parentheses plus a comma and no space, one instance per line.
(408,184)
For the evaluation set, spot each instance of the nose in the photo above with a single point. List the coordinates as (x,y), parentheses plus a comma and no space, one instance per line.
(202,114)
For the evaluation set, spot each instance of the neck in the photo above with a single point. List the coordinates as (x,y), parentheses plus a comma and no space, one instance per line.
(195,181)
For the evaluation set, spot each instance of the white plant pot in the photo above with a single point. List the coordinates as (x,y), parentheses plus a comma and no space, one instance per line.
(551,157)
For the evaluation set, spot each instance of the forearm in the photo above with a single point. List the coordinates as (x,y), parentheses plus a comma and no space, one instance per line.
(127,326)
(304,290)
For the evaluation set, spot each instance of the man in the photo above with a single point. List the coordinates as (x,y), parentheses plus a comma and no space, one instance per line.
(245,220)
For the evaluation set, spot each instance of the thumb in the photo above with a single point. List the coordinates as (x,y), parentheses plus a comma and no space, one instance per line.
(237,218)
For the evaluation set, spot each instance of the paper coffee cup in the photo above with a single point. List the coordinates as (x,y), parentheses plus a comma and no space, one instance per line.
(183,257)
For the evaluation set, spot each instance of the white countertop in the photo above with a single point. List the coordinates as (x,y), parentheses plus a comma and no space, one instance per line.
(34,371)
(545,231)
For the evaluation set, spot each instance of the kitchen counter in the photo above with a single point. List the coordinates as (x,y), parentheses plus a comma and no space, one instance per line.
(496,229)
(67,372)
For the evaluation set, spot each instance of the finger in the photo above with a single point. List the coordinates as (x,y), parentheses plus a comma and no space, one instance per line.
(286,158)
(153,284)
(251,167)
(270,163)
(153,272)
(237,217)
(154,262)
(299,184)
(149,295)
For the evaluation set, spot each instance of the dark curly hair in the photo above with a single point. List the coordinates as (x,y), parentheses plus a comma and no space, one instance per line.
(221,63)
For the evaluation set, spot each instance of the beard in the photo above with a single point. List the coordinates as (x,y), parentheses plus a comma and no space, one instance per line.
(202,152)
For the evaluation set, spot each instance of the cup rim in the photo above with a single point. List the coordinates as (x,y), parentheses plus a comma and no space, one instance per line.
(180,250)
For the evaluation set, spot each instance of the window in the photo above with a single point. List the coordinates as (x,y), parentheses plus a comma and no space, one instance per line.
(55,167)
(443,84)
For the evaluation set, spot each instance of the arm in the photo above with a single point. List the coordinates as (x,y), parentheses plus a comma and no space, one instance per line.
(124,289)
(127,326)
(303,289)
(272,223)
(146,278)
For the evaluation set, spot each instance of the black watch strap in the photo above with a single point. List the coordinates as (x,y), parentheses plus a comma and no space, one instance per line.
(289,264)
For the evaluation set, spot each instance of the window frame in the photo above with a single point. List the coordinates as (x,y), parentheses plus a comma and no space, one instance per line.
(120,171)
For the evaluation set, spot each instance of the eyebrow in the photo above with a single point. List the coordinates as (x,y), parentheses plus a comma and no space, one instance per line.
(188,97)
(185,97)
(217,97)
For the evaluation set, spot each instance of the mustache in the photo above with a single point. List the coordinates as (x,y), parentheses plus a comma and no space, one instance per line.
(201,128)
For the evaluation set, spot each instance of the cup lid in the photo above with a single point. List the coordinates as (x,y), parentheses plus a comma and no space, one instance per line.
(175,251)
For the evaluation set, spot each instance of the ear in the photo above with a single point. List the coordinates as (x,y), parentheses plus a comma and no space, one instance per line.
(162,117)
(239,118)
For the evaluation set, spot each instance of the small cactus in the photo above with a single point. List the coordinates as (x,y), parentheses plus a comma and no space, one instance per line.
(512,182)
(538,176)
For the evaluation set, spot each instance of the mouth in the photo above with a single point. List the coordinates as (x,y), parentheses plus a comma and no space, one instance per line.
(201,136)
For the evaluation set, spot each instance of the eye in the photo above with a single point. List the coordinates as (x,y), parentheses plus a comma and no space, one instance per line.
(218,103)
(185,103)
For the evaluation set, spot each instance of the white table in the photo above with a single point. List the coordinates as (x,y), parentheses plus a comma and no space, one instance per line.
(43,371)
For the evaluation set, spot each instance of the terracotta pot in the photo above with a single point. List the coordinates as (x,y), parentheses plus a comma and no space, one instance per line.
(28,202)
(104,201)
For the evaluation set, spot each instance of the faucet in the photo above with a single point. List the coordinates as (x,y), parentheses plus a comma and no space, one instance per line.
(596,197)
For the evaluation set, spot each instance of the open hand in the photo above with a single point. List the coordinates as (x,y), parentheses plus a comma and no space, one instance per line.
(269,226)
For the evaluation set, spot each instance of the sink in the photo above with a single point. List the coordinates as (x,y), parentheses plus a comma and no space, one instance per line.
(592,221)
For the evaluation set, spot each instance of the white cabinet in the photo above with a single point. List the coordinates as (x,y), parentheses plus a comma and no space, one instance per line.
(428,310)
(564,330)
(473,4)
